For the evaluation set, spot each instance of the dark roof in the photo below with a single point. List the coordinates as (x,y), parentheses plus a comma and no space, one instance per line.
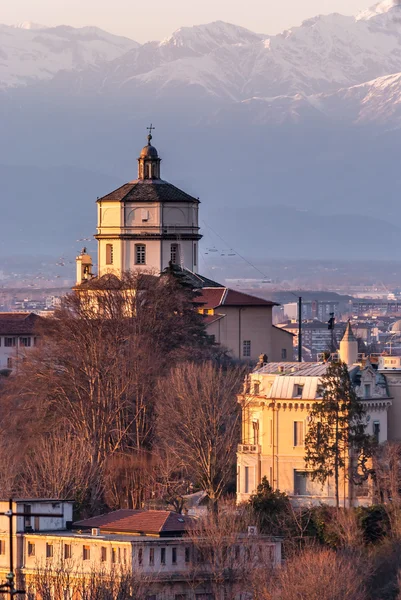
(18,323)
(284,330)
(209,319)
(155,522)
(200,281)
(148,190)
(215,297)
(313,325)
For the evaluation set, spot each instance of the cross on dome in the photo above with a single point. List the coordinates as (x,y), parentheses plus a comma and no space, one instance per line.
(150,137)
(149,161)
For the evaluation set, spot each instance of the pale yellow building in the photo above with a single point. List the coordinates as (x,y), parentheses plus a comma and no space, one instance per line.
(145,224)
(244,324)
(276,405)
(149,546)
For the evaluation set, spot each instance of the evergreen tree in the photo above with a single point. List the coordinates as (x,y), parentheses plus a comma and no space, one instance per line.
(270,507)
(336,440)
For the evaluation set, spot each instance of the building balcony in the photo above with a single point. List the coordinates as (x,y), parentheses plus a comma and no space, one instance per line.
(249,448)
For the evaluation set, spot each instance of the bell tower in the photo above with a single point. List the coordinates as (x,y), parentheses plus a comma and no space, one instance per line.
(149,161)
(147,223)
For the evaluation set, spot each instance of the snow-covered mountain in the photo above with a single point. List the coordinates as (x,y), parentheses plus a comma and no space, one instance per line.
(309,118)
(29,53)
(226,63)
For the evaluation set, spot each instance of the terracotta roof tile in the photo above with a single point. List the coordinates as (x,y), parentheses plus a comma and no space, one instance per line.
(155,522)
(18,323)
(148,191)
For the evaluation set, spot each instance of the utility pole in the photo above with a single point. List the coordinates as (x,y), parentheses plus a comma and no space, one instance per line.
(300,329)
(332,323)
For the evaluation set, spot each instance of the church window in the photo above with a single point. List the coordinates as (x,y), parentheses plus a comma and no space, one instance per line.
(246,348)
(195,255)
(109,254)
(175,253)
(140,254)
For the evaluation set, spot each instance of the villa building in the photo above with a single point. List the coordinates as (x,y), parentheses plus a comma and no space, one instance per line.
(276,404)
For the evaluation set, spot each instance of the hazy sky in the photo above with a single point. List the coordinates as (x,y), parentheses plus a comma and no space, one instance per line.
(156,19)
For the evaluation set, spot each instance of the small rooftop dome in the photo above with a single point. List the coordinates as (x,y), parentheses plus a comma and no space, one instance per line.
(149,151)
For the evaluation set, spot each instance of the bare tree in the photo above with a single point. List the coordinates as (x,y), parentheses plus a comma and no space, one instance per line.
(317,574)
(198,420)
(57,468)
(224,557)
(95,372)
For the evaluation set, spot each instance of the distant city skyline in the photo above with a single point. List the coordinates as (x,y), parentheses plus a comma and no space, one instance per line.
(135,20)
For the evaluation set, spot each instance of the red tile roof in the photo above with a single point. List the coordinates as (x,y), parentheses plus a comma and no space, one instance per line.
(215,297)
(146,522)
(18,323)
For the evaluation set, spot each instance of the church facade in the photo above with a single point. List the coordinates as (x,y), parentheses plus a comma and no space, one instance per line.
(146,223)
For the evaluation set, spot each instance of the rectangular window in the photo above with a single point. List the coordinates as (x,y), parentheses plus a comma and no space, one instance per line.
(25,342)
(256,388)
(284,354)
(162,556)
(376,430)
(195,253)
(67,551)
(49,550)
(140,254)
(255,427)
(319,391)
(2,546)
(298,390)
(246,480)
(103,553)
(140,556)
(175,254)
(113,556)
(187,555)
(298,433)
(301,483)
(109,254)
(27,515)
(9,342)
(151,556)
(31,549)
(174,556)
(246,348)
(367,390)
(125,556)
(86,553)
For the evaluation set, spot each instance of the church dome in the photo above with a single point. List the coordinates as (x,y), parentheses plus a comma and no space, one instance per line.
(149,151)
(396,327)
